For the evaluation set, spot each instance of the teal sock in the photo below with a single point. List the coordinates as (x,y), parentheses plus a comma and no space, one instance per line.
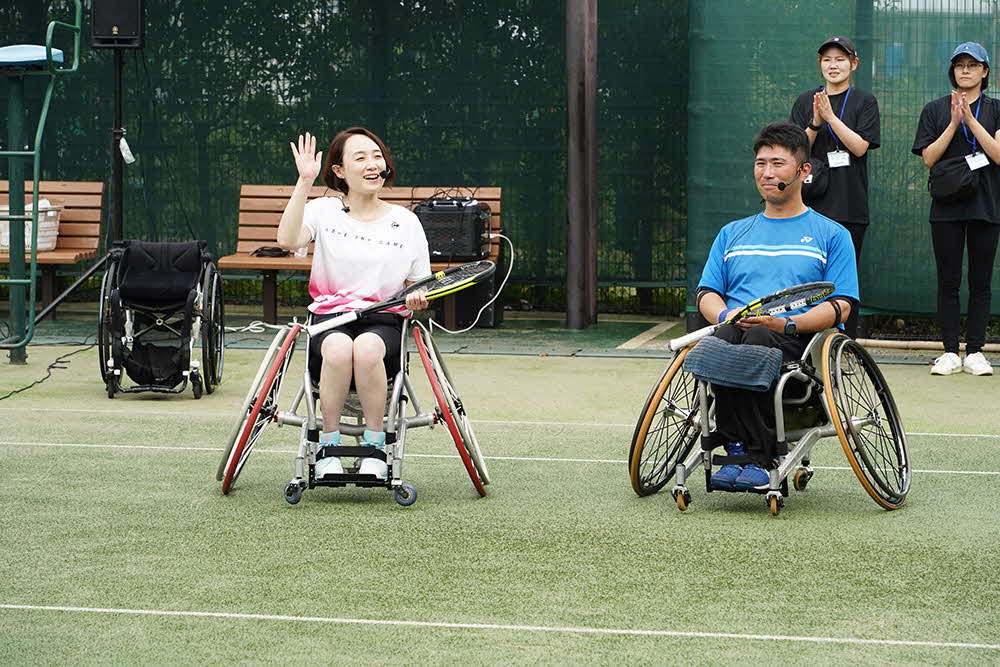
(376,438)
(330,438)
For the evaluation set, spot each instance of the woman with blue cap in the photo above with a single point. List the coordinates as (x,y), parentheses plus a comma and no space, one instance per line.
(958,138)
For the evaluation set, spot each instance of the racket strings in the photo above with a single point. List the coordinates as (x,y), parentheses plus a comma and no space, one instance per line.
(465,273)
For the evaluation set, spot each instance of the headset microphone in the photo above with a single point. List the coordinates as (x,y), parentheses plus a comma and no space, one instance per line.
(782,186)
(384,174)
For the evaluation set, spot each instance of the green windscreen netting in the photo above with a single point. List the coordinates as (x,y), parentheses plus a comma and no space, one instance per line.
(473,92)
(465,92)
(751,59)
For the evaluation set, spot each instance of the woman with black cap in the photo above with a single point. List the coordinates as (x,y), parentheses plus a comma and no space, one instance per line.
(843,124)
(958,138)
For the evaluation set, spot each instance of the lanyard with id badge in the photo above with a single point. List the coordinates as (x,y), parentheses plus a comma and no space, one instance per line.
(839,157)
(977,160)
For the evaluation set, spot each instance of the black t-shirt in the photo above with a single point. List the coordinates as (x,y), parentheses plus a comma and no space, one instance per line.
(983,206)
(846,197)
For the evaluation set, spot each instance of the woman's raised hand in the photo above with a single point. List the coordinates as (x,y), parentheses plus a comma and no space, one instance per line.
(307,160)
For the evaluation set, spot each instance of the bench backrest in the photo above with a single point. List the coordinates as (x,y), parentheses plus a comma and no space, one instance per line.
(80,222)
(261,207)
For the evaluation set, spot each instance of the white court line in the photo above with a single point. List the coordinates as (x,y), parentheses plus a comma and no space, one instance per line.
(497,626)
(501,422)
(646,336)
(542,459)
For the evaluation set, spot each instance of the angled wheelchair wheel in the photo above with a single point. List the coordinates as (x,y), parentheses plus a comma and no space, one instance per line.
(867,421)
(668,428)
(450,408)
(259,410)
(213,322)
(462,421)
(104,321)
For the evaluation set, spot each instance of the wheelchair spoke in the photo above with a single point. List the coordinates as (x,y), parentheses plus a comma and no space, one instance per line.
(874,436)
(667,428)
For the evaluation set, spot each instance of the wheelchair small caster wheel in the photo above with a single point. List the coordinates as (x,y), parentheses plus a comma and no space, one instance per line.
(801,478)
(293,493)
(405,495)
(196,386)
(774,504)
(683,499)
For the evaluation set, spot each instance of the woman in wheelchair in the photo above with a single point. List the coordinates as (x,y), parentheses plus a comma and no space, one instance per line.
(365,250)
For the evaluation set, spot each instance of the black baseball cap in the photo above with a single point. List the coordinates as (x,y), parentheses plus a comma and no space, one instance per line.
(841,42)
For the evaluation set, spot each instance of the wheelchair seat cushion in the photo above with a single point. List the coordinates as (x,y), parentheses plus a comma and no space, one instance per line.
(159,274)
(752,367)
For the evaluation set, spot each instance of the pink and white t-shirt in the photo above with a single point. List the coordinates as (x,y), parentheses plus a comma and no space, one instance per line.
(356,264)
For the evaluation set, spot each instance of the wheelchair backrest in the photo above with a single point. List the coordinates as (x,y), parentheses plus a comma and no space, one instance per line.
(159,274)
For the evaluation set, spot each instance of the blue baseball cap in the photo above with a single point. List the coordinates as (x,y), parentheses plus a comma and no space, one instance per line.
(974,49)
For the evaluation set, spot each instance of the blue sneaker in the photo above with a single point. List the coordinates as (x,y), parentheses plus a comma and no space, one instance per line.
(725,477)
(753,478)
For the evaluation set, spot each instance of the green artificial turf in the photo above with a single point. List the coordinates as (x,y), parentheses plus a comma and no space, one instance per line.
(138,522)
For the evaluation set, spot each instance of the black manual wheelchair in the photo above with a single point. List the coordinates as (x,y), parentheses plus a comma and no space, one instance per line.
(834,390)
(158,303)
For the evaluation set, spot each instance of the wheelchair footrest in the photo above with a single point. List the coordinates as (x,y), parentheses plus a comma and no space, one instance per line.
(359,452)
(725,459)
(353,479)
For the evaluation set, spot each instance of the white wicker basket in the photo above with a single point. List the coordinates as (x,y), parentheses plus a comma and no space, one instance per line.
(48,227)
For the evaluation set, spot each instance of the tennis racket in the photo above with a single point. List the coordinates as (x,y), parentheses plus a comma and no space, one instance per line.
(777,303)
(437,285)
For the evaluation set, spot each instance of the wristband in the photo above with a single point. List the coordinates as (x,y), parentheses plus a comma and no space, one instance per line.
(837,315)
(724,315)
(815,128)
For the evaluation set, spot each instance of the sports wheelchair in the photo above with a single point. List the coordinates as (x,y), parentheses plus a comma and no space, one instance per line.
(834,389)
(158,302)
(403,411)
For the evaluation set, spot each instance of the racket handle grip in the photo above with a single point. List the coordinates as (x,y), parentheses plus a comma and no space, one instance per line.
(346,318)
(693,337)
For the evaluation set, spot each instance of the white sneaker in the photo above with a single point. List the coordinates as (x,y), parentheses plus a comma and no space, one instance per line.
(373,466)
(947,364)
(977,365)
(331,465)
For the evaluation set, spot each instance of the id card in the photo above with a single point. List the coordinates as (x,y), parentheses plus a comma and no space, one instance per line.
(977,160)
(838,159)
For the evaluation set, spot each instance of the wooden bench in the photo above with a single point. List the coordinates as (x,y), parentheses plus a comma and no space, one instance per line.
(260,211)
(79,226)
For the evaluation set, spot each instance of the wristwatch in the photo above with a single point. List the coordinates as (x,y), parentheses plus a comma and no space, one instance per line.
(789,327)
(815,128)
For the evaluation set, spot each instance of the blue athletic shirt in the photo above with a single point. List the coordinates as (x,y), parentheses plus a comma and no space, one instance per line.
(757,255)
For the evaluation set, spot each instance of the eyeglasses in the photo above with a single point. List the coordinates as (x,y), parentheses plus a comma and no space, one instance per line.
(969,65)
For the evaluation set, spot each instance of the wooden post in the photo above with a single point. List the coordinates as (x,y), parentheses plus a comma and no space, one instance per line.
(581,177)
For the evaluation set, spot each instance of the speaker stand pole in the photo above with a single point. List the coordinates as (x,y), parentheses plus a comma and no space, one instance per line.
(117,132)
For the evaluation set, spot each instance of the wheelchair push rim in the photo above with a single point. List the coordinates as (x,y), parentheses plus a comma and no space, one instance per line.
(867,421)
(667,428)
(263,411)
(212,329)
(463,422)
(265,365)
(437,379)
(104,321)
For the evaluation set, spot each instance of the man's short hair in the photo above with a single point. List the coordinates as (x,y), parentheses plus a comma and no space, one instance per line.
(785,135)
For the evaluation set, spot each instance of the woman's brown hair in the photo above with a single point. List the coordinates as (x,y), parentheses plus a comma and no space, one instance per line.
(335,156)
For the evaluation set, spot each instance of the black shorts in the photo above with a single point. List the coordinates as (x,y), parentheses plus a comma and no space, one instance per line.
(387,326)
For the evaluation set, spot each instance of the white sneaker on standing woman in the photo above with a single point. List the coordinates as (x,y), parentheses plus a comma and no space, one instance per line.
(977,364)
(946,364)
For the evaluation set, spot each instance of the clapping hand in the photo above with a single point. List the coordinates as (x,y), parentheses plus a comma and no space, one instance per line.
(821,107)
(958,107)
(307,160)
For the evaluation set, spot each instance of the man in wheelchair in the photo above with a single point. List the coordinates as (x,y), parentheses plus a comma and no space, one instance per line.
(786,244)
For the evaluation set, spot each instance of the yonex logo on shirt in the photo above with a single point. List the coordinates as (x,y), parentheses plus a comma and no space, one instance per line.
(806,239)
